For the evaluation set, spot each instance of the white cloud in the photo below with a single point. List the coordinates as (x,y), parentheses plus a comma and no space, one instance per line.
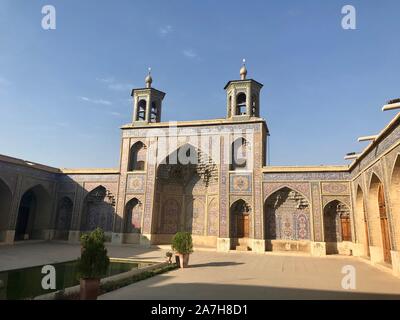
(120,86)
(165,30)
(189,53)
(113,85)
(116,114)
(106,80)
(96,101)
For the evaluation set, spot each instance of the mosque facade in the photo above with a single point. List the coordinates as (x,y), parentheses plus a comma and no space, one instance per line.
(210,178)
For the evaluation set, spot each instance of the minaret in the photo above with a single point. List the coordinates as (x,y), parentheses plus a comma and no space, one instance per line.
(243,97)
(147,103)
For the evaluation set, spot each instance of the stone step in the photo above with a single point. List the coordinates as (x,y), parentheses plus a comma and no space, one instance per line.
(242,248)
(242,241)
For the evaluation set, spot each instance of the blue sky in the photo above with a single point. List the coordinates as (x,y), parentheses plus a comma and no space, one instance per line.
(65,93)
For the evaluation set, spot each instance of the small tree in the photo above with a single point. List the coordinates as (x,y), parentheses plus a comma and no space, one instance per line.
(94,262)
(182,243)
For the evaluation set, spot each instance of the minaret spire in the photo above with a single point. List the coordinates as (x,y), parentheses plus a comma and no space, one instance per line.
(243,71)
(149,79)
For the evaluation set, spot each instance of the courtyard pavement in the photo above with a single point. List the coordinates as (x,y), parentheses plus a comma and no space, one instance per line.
(235,275)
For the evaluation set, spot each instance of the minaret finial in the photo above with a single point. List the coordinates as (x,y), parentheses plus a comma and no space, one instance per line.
(243,71)
(148,79)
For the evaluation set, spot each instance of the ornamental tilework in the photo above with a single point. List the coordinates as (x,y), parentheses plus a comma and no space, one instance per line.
(391,159)
(234,198)
(136,183)
(317,213)
(171,210)
(223,197)
(151,172)
(258,203)
(195,215)
(287,216)
(387,142)
(302,187)
(335,188)
(184,132)
(112,187)
(344,199)
(308,176)
(212,221)
(91,178)
(240,183)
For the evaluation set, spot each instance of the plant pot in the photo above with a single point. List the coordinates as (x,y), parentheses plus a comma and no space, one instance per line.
(182,260)
(89,289)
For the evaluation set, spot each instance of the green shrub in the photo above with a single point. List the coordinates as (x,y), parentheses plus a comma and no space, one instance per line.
(94,262)
(116,284)
(182,243)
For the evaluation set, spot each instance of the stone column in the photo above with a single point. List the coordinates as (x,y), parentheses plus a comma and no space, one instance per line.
(318,246)
(229,98)
(223,241)
(233,107)
(147,230)
(135,106)
(74,232)
(12,222)
(248,101)
(148,109)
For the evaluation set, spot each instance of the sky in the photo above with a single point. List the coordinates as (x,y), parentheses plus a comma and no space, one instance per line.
(65,93)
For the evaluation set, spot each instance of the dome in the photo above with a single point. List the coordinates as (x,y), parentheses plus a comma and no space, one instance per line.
(243,70)
(148,79)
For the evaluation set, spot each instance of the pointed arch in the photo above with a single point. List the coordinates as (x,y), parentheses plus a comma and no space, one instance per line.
(34,214)
(133,216)
(377,217)
(288,186)
(5,207)
(154,112)
(395,201)
(337,222)
(240,212)
(137,157)
(241,104)
(241,155)
(98,210)
(286,215)
(184,179)
(141,110)
(361,220)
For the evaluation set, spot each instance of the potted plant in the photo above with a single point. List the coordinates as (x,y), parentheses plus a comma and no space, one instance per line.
(182,244)
(93,264)
(169,255)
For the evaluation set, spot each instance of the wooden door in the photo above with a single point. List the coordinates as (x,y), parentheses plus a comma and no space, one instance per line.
(345,225)
(246,226)
(384,225)
(242,225)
